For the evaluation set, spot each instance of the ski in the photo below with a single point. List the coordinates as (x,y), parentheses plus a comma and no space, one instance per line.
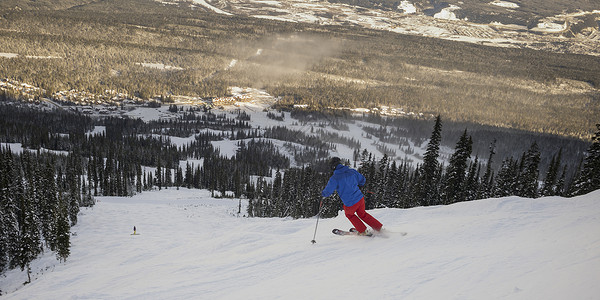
(351,232)
(383,233)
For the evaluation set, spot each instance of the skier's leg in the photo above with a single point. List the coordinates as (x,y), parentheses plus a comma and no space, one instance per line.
(356,222)
(365,216)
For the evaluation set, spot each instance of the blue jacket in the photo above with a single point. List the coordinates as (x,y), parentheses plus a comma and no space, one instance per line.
(346,182)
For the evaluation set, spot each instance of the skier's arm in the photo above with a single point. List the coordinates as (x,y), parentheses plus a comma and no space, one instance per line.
(360,179)
(329,188)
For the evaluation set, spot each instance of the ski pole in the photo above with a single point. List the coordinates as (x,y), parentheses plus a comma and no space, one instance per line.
(318,215)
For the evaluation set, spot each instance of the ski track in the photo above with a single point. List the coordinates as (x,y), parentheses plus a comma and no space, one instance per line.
(194,246)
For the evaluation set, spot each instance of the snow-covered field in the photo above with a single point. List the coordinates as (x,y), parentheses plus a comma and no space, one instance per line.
(191,246)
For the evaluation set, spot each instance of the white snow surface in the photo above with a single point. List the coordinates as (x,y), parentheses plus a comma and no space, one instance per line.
(192,246)
(407,7)
(506,4)
(447,13)
(208,6)
(8,55)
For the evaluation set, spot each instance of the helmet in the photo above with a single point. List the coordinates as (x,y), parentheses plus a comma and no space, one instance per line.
(334,162)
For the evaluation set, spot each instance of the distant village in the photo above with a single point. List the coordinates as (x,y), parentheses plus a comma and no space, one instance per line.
(108,101)
(111,101)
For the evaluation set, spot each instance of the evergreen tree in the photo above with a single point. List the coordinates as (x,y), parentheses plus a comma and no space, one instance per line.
(189,176)
(158,176)
(560,183)
(588,179)
(487,182)
(29,243)
(4,214)
(393,185)
(74,194)
(280,205)
(179,177)
(50,195)
(529,179)
(139,178)
(505,185)
(454,190)
(472,185)
(550,187)
(62,232)
(427,191)
(381,196)
(368,170)
(10,207)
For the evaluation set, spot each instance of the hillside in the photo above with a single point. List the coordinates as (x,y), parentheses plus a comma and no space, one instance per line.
(363,58)
(191,246)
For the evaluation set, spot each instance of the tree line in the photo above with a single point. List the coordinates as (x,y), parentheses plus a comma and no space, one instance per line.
(465,178)
(40,198)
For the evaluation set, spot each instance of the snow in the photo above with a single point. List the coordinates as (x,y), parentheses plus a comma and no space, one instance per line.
(149,113)
(506,4)
(97,130)
(15,55)
(447,13)
(210,7)
(159,66)
(17,148)
(194,246)
(8,55)
(275,18)
(13,147)
(407,7)
(549,26)
(232,64)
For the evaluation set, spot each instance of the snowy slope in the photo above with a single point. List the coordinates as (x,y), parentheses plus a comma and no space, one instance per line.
(194,247)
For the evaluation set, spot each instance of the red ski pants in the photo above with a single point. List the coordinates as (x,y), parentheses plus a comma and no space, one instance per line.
(356,213)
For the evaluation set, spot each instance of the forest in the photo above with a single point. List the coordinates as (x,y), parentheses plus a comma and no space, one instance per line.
(112,45)
(64,166)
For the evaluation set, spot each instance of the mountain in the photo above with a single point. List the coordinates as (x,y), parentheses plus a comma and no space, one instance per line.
(543,77)
(555,25)
(193,246)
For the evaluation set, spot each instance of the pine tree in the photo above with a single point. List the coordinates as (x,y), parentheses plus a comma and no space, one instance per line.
(4,213)
(457,170)
(368,170)
(29,244)
(505,185)
(280,205)
(380,188)
(487,182)
(158,176)
(62,232)
(179,177)
(560,183)
(473,185)
(50,195)
(393,185)
(139,178)
(550,187)
(74,194)
(529,179)
(427,191)
(588,179)
(10,207)
(189,176)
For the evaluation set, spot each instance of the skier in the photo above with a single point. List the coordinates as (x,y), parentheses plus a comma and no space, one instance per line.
(346,182)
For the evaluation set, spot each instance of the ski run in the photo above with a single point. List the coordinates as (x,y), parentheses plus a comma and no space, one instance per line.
(192,246)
